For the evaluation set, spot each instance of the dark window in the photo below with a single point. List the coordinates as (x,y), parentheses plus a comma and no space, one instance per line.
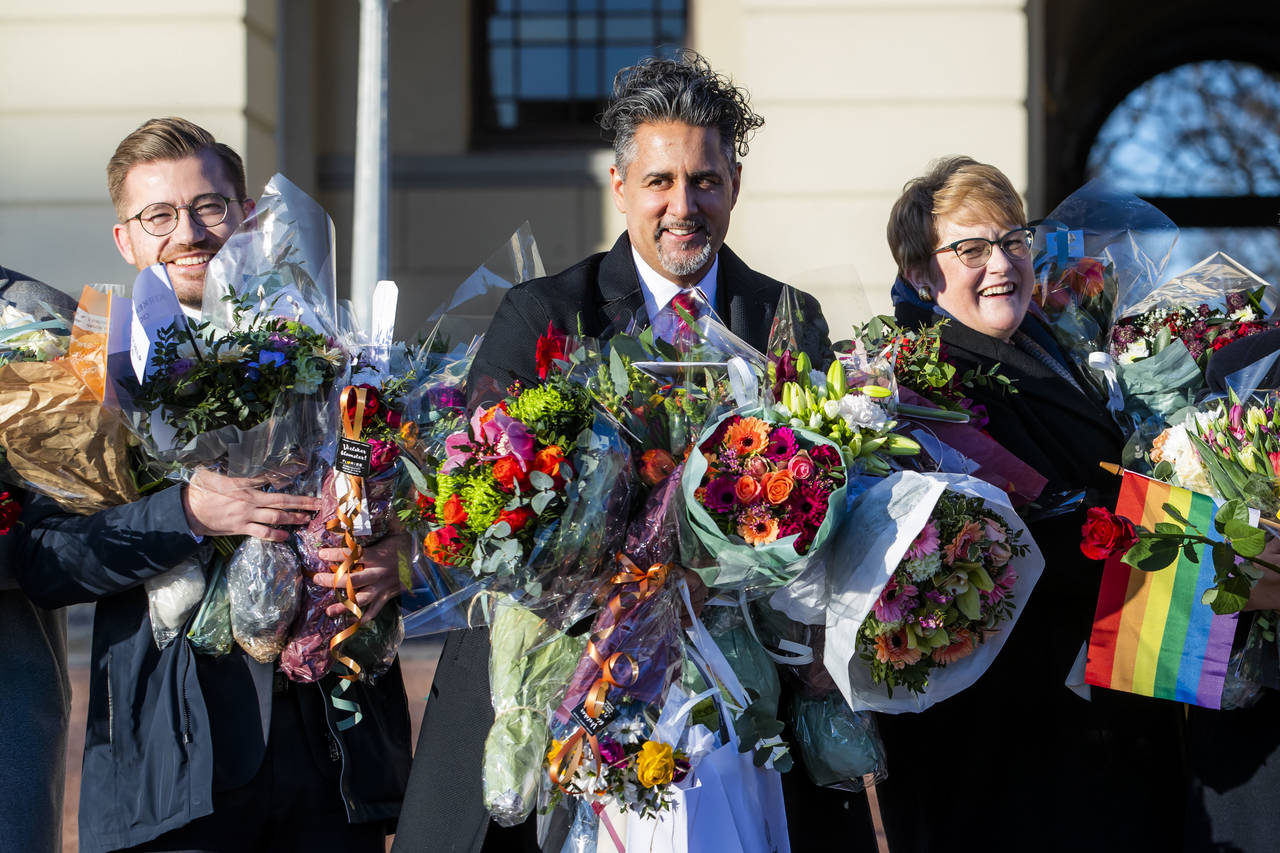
(544,68)
(1202,143)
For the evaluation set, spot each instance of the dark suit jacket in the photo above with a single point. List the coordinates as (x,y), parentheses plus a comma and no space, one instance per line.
(443,808)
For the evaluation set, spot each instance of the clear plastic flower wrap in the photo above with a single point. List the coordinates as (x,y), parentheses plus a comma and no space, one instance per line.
(173,595)
(375,646)
(840,747)
(528,669)
(210,632)
(264,589)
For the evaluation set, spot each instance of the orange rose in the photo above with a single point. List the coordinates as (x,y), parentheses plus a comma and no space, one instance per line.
(453,512)
(442,545)
(747,490)
(655,466)
(547,460)
(778,486)
(508,473)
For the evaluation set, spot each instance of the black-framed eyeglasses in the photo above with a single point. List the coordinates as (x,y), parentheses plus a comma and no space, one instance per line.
(161,218)
(975,251)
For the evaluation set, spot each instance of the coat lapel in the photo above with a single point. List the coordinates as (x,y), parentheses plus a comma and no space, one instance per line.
(621,300)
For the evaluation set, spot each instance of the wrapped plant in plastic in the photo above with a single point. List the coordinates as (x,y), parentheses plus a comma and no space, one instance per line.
(210,632)
(264,589)
(840,747)
(527,674)
(172,596)
(930,564)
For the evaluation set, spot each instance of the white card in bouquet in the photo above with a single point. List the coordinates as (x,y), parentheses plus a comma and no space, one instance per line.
(155,306)
(354,504)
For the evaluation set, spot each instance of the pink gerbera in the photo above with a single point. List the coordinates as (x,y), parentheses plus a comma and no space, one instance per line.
(925,544)
(895,600)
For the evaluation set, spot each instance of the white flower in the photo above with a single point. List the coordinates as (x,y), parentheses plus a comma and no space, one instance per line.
(630,731)
(831,408)
(1188,470)
(860,411)
(1133,352)
(1244,315)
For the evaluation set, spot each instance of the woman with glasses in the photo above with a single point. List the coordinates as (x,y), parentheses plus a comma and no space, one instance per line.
(1018,761)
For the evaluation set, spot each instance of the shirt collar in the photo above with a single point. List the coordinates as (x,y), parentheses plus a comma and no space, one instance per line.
(659,290)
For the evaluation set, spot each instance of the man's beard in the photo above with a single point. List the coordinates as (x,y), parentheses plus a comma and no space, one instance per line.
(684,263)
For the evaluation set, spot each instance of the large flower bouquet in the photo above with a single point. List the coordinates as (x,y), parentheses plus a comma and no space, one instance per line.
(950,589)
(935,569)
(1202,328)
(761,496)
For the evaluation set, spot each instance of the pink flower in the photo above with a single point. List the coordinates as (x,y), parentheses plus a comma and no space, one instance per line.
(457,451)
(999,553)
(506,436)
(747,490)
(925,543)
(1274,456)
(756,466)
(611,752)
(801,465)
(994,530)
(895,600)
(1003,586)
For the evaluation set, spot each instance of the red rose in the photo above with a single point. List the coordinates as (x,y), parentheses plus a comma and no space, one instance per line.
(370,400)
(550,349)
(453,512)
(10,509)
(1105,533)
(517,518)
(508,473)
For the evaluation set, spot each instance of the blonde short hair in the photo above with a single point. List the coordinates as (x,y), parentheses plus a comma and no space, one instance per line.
(955,187)
(167,139)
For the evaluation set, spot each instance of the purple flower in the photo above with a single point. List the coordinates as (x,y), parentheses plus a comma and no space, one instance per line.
(781,446)
(382,454)
(611,752)
(266,358)
(826,456)
(446,398)
(182,367)
(1236,301)
(282,340)
(457,451)
(937,596)
(719,496)
(682,770)
(505,435)
(895,600)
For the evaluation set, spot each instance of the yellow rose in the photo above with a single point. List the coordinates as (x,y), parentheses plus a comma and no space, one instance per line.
(655,765)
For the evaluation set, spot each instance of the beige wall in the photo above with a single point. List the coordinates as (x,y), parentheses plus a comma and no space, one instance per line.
(858,96)
(77,75)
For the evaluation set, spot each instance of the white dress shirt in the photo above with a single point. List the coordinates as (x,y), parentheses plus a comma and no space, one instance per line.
(659,291)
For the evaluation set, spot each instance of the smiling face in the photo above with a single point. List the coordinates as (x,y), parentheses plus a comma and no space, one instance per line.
(991,299)
(677,195)
(187,249)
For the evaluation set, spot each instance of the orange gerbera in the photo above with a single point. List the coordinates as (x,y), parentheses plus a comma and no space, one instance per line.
(892,649)
(959,547)
(760,530)
(747,436)
(960,648)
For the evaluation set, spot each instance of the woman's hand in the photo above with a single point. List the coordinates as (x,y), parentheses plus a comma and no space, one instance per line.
(378,582)
(1265,594)
(217,505)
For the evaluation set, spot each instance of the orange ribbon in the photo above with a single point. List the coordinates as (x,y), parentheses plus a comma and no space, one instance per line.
(565,763)
(353,400)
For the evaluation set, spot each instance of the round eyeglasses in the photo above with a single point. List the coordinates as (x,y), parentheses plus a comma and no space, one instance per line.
(975,251)
(161,218)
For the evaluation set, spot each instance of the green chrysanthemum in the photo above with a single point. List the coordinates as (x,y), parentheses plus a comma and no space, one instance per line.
(309,377)
(483,502)
(547,407)
(923,568)
(446,485)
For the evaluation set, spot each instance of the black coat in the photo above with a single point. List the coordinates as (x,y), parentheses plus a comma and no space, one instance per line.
(166,728)
(1017,761)
(443,808)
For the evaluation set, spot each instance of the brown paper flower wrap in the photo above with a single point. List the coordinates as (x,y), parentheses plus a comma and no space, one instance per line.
(59,440)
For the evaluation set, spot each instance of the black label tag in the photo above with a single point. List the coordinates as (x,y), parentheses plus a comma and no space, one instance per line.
(354,457)
(594,725)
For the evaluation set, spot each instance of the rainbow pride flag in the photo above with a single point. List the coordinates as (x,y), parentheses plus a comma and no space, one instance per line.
(1151,634)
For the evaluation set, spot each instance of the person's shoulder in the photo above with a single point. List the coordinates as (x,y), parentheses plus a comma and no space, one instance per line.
(34,296)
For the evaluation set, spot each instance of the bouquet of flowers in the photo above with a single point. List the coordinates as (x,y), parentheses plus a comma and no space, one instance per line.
(934,563)
(761,496)
(949,590)
(55,437)
(1161,341)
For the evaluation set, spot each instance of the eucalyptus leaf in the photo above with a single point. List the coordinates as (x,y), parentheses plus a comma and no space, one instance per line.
(540,501)
(541,481)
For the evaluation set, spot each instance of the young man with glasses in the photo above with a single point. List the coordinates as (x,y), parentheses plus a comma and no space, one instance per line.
(183,751)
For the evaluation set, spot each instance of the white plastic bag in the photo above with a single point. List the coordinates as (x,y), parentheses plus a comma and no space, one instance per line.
(172,596)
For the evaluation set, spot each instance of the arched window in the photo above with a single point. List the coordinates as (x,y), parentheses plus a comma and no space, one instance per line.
(1202,143)
(544,68)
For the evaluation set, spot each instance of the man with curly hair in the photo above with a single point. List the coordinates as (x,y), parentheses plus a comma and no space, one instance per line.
(679,131)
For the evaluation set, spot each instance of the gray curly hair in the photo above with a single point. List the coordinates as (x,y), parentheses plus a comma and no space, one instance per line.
(684,89)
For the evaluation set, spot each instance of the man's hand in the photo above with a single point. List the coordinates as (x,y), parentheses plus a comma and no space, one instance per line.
(217,505)
(378,582)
